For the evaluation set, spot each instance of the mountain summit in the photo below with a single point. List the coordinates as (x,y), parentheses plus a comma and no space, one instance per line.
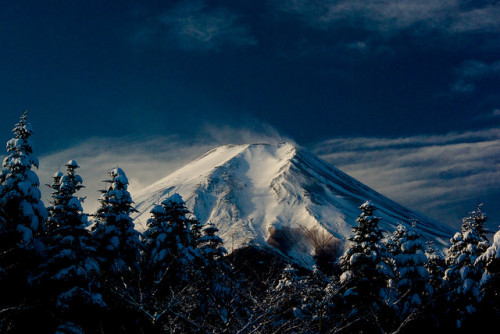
(277,196)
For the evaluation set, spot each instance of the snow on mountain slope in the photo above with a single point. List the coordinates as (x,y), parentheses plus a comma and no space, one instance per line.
(277,195)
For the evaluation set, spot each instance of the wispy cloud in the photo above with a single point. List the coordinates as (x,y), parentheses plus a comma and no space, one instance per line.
(433,174)
(476,69)
(392,16)
(485,19)
(461,86)
(194,25)
(472,71)
(494,114)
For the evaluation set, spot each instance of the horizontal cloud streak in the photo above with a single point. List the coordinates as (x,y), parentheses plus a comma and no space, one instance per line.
(433,174)
(453,16)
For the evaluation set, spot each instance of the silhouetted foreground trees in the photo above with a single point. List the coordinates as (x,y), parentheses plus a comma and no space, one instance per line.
(61,272)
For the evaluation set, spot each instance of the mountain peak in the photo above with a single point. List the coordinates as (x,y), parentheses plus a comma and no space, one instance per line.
(277,196)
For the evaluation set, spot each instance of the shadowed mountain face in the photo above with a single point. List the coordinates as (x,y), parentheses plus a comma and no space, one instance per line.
(280,197)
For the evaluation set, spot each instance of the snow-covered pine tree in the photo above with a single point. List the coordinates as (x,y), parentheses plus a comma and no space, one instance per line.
(462,274)
(119,244)
(365,273)
(411,274)
(118,249)
(68,278)
(23,214)
(215,284)
(393,242)
(490,283)
(435,268)
(283,303)
(168,242)
(320,295)
(168,266)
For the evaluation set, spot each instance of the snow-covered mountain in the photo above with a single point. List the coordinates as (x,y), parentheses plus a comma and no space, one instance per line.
(277,195)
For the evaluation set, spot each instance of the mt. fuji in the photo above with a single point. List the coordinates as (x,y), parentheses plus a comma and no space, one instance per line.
(275,196)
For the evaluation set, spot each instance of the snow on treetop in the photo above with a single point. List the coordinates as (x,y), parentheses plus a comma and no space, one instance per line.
(158,209)
(118,175)
(368,206)
(72,163)
(23,125)
(116,171)
(57,175)
(175,198)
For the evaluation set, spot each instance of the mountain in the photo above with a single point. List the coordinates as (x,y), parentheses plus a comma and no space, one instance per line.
(277,196)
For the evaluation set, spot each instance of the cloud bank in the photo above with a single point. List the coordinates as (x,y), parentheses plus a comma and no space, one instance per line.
(441,176)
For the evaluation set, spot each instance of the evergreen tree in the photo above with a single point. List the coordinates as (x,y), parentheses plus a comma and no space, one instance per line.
(365,272)
(168,242)
(462,275)
(215,275)
(283,303)
(118,253)
(320,295)
(69,275)
(393,242)
(23,214)
(436,313)
(435,268)
(114,231)
(412,280)
(490,284)
(169,270)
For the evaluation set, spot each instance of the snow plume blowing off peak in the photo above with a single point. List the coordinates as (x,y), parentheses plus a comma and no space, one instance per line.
(279,197)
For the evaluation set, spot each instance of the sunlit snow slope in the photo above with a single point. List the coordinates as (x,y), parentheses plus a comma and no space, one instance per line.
(257,191)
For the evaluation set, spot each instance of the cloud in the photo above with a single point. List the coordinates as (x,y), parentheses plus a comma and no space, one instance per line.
(442,176)
(494,114)
(484,19)
(393,16)
(193,25)
(462,86)
(472,71)
(144,160)
(476,69)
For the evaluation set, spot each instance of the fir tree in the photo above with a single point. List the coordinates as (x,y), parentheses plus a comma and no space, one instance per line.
(393,242)
(365,272)
(118,252)
(169,270)
(284,302)
(168,242)
(23,214)
(412,275)
(490,283)
(118,241)
(320,295)
(215,275)
(435,267)
(69,275)
(462,275)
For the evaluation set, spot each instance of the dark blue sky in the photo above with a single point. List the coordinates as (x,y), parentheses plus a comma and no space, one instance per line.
(313,70)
